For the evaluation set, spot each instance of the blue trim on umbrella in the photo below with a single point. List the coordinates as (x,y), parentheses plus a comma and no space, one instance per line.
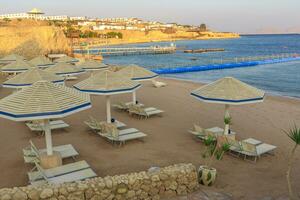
(7,84)
(228,100)
(13,70)
(106,92)
(104,67)
(45,113)
(71,61)
(66,73)
(45,64)
(143,78)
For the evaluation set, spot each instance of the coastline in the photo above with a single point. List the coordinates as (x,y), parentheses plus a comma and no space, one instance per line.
(131,38)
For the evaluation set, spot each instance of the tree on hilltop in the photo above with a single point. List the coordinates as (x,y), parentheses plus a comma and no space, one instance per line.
(202,28)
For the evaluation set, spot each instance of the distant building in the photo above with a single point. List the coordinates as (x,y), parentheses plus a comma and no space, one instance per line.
(87,23)
(37,14)
(78,18)
(32,14)
(102,27)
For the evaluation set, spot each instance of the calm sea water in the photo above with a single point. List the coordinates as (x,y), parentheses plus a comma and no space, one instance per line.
(278,79)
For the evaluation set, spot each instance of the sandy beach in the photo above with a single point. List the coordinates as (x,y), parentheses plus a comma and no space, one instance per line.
(168,141)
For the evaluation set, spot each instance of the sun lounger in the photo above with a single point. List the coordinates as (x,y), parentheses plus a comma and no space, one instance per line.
(31,154)
(200,132)
(120,106)
(71,78)
(144,112)
(38,127)
(250,150)
(127,137)
(65,173)
(125,106)
(121,136)
(96,126)
(158,84)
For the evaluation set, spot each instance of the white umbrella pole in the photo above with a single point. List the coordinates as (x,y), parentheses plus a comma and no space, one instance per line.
(226,116)
(48,137)
(108,113)
(134,97)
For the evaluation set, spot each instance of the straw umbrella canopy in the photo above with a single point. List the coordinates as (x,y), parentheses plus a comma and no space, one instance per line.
(137,73)
(107,83)
(92,65)
(31,76)
(229,91)
(41,62)
(17,66)
(66,59)
(11,58)
(43,101)
(65,69)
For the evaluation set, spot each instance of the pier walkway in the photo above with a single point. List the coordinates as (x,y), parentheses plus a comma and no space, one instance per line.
(122,51)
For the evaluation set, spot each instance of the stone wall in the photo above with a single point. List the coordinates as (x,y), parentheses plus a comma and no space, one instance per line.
(155,184)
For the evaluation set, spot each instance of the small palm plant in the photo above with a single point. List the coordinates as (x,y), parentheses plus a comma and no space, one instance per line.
(227,122)
(294,135)
(216,147)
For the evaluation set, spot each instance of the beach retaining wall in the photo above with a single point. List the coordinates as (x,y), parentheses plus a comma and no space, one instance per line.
(222,66)
(156,183)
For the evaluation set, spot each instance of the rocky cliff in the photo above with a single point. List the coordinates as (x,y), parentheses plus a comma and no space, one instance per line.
(32,40)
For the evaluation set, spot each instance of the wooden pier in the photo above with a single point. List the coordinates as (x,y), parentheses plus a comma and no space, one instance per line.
(123,51)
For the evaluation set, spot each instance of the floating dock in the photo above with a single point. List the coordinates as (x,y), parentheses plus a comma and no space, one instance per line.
(198,68)
(123,51)
(202,50)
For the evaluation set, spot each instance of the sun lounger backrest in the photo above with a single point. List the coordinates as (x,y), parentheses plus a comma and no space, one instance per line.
(249,147)
(198,129)
(140,110)
(112,130)
(234,143)
(41,170)
(37,123)
(137,109)
(34,149)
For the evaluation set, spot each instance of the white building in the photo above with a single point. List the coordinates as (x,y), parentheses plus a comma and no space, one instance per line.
(87,23)
(37,14)
(57,18)
(102,27)
(33,14)
(78,18)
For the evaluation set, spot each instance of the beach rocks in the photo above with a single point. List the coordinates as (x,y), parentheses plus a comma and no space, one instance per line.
(46,193)
(154,184)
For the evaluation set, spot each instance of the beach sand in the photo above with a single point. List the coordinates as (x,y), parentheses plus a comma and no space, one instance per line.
(168,141)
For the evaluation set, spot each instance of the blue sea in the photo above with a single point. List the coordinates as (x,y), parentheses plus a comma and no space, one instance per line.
(277,79)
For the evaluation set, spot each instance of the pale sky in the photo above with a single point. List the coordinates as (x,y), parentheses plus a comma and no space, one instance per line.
(243,16)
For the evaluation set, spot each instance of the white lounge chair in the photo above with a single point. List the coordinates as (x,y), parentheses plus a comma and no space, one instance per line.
(120,106)
(121,136)
(125,106)
(250,151)
(158,84)
(38,127)
(32,153)
(96,126)
(65,173)
(200,132)
(71,78)
(144,112)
